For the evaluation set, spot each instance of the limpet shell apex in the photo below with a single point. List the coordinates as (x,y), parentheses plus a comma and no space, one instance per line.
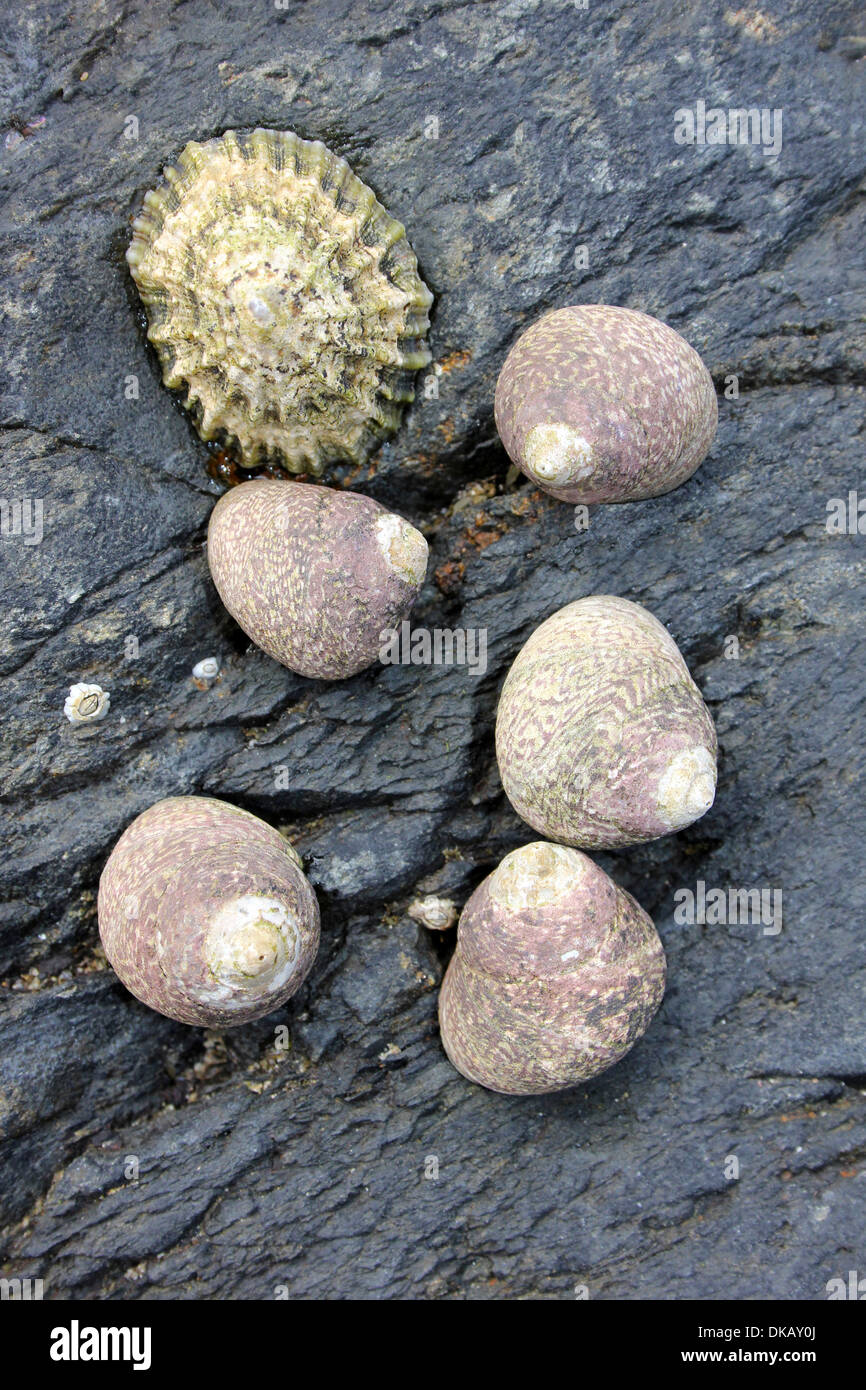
(282,299)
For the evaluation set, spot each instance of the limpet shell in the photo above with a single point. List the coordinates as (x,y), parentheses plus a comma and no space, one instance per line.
(602,737)
(601,404)
(556,974)
(315,576)
(282,299)
(206,914)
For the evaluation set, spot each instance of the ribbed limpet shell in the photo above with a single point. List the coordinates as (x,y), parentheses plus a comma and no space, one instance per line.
(282,299)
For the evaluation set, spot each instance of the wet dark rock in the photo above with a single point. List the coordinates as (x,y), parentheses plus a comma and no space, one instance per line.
(304,1151)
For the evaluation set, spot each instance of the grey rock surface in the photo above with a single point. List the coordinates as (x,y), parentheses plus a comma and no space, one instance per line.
(144,1160)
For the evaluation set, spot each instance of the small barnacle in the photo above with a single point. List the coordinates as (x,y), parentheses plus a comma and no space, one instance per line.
(282,299)
(206,670)
(85,704)
(437,914)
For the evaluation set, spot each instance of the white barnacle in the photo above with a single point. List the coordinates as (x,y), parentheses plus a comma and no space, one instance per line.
(206,669)
(437,914)
(260,310)
(85,704)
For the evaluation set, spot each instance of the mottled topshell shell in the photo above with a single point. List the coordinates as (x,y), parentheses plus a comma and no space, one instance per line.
(602,736)
(556,974)
(601,404)
(282,299)
(314,575)
(205,913)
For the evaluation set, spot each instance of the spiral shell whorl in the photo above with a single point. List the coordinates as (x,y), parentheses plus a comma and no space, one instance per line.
(556,974)
(205,914)
(601,404)
(602,737)
(314,575)
(282,298)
